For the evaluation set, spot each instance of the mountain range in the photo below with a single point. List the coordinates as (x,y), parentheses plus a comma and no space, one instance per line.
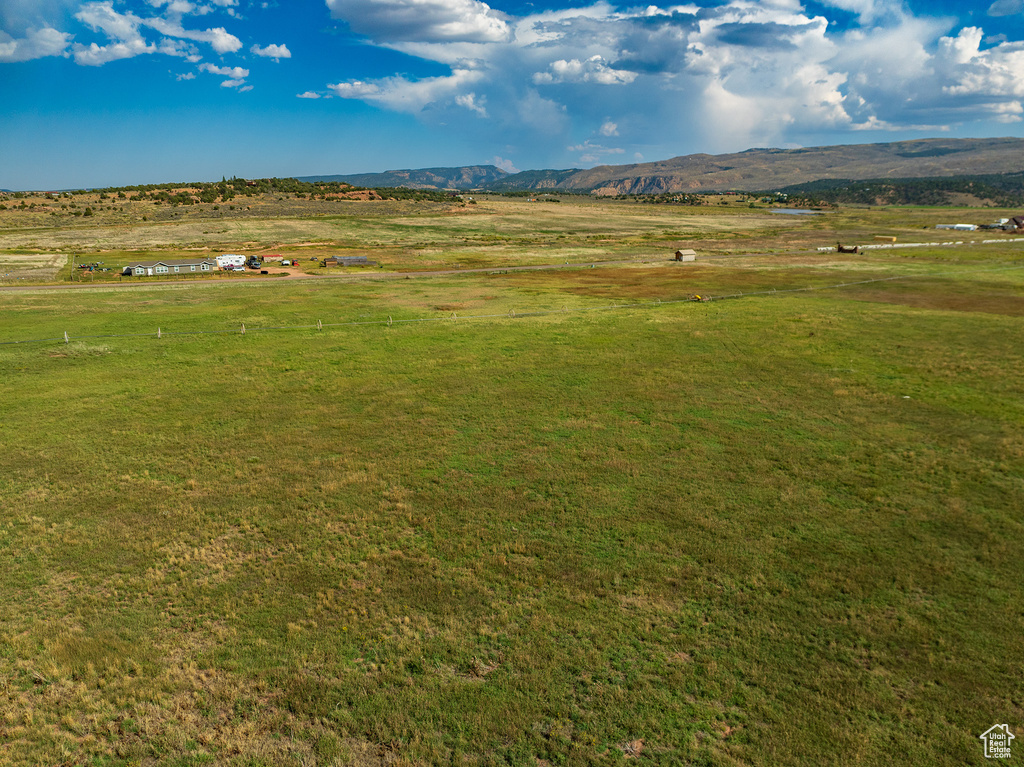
(752,170)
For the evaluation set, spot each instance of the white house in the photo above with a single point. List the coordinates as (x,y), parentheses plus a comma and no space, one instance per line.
(159,268)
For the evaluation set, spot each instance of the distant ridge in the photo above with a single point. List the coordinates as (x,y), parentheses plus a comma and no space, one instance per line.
(764,169)
(468,177)
(752,170)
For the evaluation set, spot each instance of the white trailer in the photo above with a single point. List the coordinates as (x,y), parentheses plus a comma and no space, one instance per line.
(228,260)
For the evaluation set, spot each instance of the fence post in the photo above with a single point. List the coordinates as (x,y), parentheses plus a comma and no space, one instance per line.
(66,339)
(319,325)
(243,328)
(389,320)
(158,331)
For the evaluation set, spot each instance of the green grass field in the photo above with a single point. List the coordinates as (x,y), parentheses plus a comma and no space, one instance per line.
(780,529)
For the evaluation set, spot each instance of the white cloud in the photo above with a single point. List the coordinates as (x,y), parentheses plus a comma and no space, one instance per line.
(664,62)
(404,95)
(36,44)
(594,151)
(609,129)
(592,70)
(472,103)
(102,16)
(1005,7)
(125,38)
(422,20)
(962,48)
(993,76)
(97,55)
(503,164)
(272,51)
(357,89)
(237,73)
(309,95)
(186,76)
(218,38)
(179,48)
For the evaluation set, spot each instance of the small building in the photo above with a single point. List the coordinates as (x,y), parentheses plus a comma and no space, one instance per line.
(158,268)
(686,255)
(958,227)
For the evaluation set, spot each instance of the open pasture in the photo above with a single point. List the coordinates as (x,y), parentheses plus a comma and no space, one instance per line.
(488,232)
(783,529)
(31,267)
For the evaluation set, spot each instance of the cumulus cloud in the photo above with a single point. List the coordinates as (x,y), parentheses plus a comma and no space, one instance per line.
(1005,7)
(729,74)
(309,95)
(234,72)
(405,95)
(179,48)
(272,51)
(121,29)
(593,151)
(989,81)
(96,55)
(592,70)
(36,44)
(422,20)
(123,34)
(473,103)
(218,38)
(505,165)
(235,75)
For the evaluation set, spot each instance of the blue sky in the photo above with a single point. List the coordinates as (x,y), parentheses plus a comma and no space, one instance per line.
(112,92)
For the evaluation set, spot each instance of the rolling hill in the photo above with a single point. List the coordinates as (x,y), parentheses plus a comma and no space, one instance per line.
(468,177)
(752,170)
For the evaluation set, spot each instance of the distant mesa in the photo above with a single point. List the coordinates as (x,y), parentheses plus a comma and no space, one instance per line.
(751,170)
(464,178)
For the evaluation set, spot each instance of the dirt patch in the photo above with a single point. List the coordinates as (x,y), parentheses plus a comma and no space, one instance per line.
(290,273)
(989,302)
(35,266)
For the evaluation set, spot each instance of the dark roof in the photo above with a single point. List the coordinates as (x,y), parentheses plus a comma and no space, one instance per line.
(176,262)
